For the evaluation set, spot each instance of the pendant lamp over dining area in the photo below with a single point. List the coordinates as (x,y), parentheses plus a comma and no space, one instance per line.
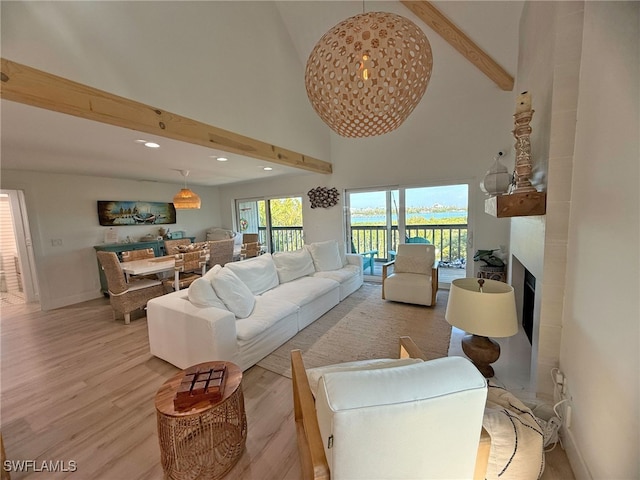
(185,199)
(367,73)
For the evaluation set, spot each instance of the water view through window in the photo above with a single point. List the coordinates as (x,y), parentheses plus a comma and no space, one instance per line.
(381,219)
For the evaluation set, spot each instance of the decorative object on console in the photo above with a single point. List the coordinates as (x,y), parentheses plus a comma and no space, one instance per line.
(185,199)
(113,212)
(365,75)
(323,197)
(524,199)
(482,308)
(497,179)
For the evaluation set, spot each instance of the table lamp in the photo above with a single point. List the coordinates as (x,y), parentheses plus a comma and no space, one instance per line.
(482,308)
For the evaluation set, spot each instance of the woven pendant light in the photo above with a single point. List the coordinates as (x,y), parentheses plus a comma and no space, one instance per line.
(367,74)
(185,199)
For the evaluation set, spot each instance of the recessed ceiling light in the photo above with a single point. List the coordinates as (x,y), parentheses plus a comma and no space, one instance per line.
(151,145)
(141,141)
(267,169)
(222,159)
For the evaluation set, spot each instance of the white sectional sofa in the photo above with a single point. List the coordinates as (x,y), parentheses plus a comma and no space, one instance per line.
(243,311)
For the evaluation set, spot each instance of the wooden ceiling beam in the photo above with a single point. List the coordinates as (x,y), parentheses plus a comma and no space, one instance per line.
(30,86)
(444,27)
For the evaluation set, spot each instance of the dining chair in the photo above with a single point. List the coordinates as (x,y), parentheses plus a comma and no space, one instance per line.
(189,266)
(250,245)
(221,252)
(126,297)
(171,246)
(142,254)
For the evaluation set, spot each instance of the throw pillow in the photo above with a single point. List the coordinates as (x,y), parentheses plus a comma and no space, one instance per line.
(258,273)
(212,273)
(326,255)
(343,254)
(292,265)
(234,294)
(516,437)
(202,294)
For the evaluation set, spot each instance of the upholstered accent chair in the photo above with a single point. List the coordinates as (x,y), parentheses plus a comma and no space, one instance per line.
(189,266)
(126,297)
(221,252)
(415,275)
(391,418)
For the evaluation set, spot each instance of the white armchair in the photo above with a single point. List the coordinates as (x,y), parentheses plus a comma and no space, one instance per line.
(391,419)
(415,275)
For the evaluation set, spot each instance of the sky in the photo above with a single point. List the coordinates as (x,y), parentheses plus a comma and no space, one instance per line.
(450,195)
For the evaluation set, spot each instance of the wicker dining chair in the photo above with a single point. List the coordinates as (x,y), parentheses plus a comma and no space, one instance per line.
(171,246)
(126,297)
(189,266)
(142,254)
(221,252)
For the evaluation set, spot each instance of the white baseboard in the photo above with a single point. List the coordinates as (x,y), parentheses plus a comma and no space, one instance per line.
(578,465)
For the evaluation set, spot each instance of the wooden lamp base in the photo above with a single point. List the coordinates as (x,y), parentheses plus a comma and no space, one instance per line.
(482,351)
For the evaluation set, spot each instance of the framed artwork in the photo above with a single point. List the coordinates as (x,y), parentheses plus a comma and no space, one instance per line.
(111,213)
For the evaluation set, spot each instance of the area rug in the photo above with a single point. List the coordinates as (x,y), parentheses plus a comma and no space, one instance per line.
(364,326)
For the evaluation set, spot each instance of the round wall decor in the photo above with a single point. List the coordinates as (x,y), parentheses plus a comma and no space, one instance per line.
(323,197)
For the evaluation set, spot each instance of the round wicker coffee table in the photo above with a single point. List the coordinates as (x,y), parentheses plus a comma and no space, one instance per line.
(207,440)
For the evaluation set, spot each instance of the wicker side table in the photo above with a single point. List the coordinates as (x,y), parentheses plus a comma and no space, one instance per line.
(207,440)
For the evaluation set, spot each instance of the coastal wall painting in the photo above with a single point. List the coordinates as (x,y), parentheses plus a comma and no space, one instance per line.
(112,213)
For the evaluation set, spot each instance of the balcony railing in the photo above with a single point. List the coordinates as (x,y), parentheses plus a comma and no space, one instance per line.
(450,240)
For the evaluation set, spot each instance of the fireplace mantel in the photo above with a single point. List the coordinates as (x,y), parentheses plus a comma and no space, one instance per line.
(516,204)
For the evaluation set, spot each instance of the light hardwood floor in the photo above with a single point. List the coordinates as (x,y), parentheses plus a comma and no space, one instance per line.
(76,385)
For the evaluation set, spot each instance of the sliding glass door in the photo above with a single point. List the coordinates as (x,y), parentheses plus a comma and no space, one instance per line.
(277,221)
(379,220)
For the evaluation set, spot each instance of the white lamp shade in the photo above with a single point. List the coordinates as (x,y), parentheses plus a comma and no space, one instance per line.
(490,313)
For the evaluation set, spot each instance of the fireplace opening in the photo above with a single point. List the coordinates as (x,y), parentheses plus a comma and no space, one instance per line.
(528,301)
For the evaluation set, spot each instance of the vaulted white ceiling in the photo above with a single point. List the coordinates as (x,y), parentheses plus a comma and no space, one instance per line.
(42,140)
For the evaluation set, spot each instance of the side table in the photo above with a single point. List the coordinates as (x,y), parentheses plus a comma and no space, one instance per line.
(207,440)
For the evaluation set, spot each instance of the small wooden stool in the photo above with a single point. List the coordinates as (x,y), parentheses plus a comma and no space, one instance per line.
(207,440)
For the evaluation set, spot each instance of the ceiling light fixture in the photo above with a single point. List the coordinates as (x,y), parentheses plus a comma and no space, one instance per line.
(267,169)
(185,199)
(222,159)
(151,145)
(367,74)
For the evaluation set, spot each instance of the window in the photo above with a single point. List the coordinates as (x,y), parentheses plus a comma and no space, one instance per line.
(383,218)
(277,221)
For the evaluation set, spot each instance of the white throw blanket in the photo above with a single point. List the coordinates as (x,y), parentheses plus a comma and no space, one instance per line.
(516,437)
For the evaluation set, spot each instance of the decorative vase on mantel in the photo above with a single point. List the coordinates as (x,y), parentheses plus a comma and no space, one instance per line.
(497,179)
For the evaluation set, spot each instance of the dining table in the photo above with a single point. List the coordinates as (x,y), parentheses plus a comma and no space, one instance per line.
(148,266)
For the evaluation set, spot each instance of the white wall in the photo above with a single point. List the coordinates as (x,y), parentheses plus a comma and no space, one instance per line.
(600,343)
(64,207)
